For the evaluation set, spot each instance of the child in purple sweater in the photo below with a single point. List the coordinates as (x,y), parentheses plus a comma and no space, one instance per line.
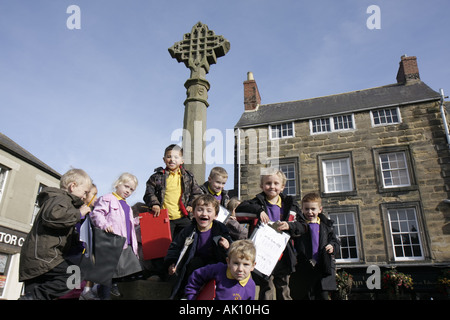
(233,280)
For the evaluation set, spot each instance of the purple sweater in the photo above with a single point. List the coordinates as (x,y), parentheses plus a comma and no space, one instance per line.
(274,211)
(226,288)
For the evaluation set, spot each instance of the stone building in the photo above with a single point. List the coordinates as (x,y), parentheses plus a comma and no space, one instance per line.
(379,158)
(22,177)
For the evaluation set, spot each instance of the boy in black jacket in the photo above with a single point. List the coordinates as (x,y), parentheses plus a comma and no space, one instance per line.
(173,188)
(316,251)
(205,241)
(44,254)
(217,179)
(272,205)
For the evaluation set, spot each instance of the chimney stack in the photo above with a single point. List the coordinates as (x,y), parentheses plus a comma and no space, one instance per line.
(252,99)
(408,72)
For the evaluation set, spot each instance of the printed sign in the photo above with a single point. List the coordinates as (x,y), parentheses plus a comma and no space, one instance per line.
(269,244)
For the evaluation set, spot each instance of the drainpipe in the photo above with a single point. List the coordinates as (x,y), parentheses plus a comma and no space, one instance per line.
(444,119)
(239,162)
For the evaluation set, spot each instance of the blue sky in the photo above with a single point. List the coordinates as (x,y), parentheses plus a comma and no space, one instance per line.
(107,97)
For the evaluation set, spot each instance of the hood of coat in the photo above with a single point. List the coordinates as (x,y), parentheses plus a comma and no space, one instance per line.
(50,192)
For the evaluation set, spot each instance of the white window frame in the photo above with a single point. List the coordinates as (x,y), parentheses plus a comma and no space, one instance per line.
(348,174)
(339,217)
(282,130)
(403,222)
(4,172)
(36,207)
(381,172)
(330,122)
(324,122)
(293,168)
(395,172)
(386,123)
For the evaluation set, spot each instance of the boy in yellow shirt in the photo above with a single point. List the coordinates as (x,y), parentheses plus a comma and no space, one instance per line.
(172,188)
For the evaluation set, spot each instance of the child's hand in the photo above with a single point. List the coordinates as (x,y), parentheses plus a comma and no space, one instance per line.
(224,243)
(264,217)
(283,225)
(109,229)
(329,248)
(189,209)
(156,209)
(172,269)
(84,210)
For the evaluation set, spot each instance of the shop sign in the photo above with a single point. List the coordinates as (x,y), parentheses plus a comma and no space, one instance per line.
(11,238)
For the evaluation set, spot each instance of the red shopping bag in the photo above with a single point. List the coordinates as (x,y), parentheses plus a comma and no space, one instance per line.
(155,234)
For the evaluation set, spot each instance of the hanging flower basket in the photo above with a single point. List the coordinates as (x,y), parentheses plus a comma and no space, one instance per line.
(397,284)
(443,282)
(344,283)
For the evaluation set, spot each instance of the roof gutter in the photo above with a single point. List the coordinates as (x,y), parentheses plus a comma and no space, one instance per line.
(338,113)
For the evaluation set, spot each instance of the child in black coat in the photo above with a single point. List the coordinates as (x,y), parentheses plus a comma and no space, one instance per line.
(44,256)
(205,241)
(316,251)
(272,205)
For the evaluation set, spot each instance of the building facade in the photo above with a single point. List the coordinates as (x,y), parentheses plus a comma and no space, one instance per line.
(22,176)
(378,157)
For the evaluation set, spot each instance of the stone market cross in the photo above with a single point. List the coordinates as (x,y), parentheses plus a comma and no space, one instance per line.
(198,50)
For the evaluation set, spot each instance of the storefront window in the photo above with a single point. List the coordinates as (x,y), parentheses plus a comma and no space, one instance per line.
(4,265)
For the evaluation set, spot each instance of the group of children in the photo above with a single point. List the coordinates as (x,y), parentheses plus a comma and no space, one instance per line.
(202,249)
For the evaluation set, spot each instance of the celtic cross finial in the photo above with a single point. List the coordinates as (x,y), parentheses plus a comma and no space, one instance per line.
(199,49)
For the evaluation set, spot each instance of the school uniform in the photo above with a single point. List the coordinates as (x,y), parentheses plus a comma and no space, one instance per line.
(227,288)
(204,249)
(173,191)
(285,209)
(316,269)
(221,196)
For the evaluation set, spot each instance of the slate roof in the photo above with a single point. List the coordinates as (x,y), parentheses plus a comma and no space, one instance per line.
(355,101)
(13,148)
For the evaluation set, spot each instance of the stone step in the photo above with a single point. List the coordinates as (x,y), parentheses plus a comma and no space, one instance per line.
(143,290)
(147,290)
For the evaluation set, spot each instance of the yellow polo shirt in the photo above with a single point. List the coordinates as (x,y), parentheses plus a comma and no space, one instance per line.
(213,193)
(173,195)
(242,282)
(278,203)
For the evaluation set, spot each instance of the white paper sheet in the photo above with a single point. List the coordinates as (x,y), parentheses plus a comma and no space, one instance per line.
(269,244)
